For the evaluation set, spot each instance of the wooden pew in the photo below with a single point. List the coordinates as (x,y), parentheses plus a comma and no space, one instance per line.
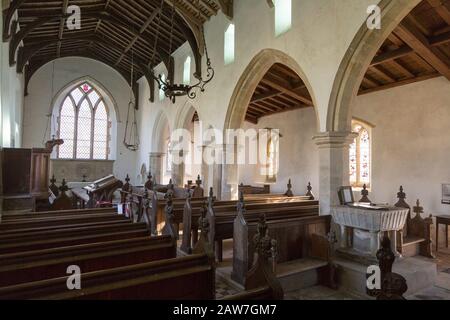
(222,218)
(415,238)
(293,235)
(59,213)
(261,282)
(193,208)
(73,236)
(52,263)
(190,211)
(185,278)
(58,221)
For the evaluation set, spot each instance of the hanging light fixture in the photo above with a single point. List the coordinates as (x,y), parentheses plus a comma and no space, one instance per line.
(131,135)
(173,90)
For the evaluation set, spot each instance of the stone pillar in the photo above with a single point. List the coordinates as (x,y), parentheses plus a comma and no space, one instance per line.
(178,169)
(156,166)
(334,166)
(230,173)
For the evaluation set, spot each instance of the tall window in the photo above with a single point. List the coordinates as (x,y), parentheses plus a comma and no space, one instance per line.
(187,71)
(360,155)
(229,45)
(283,16)
(162,95)
(83,125)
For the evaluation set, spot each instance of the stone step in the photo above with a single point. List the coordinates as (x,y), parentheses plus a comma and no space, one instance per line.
(293,275)
(419,272)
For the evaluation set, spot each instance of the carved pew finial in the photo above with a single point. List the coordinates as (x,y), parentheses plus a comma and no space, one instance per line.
(211,197)
(418,209)
(241,201)
(401,203)
(64,186)
(198,182)
(264,245)
(127,185)
(53,188)
(393,285)
(149,183)
(204,244)
(365,195)
(169,228)
(309,192)
(289,192)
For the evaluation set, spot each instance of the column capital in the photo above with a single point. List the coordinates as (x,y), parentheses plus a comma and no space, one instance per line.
(334,139)
(156,154)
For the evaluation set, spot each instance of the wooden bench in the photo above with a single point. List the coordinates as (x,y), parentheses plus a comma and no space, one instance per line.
(185,278)
(191,210)
(293,236)
(52,263)
(59,213)
(97,193)
(67,237)
(416,237)
(58,221)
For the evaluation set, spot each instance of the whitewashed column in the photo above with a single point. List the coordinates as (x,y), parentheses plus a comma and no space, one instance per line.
(230,173)
(334,166)
(156,165)
(178,169)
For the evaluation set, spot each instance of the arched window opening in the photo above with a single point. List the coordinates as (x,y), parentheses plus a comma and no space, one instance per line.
(360,155)
(84,125)
(187,71)
(283,16)
(229,45)
(162,94)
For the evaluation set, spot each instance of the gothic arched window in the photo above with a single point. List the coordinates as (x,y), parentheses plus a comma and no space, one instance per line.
(84,125)
(360,155)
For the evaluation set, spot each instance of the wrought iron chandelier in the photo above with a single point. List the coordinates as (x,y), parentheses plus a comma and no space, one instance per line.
(173,90)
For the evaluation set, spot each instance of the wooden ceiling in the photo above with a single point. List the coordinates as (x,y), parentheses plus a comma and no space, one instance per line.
(280,90)
(418,49)
(111,30)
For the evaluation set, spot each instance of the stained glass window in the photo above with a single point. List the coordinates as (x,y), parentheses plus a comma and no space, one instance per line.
(162,95)
(360,155)
(84,125)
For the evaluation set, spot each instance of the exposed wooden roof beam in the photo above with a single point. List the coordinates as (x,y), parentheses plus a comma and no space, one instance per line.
(263,96)
(61,26)
(417,41)
(401,83)
(406,50)
(227,7)
(441,9)
(141,31)
(285,89)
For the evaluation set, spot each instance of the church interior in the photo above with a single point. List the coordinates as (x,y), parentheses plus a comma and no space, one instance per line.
(225,150)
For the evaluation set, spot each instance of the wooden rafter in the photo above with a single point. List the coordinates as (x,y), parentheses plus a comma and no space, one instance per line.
(417,50)
(417,41)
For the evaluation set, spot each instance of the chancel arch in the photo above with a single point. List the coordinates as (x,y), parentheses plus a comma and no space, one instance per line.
(273,83)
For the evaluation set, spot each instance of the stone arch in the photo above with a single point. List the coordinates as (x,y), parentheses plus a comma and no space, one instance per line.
(249,80)
(240,99)
(357,60)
